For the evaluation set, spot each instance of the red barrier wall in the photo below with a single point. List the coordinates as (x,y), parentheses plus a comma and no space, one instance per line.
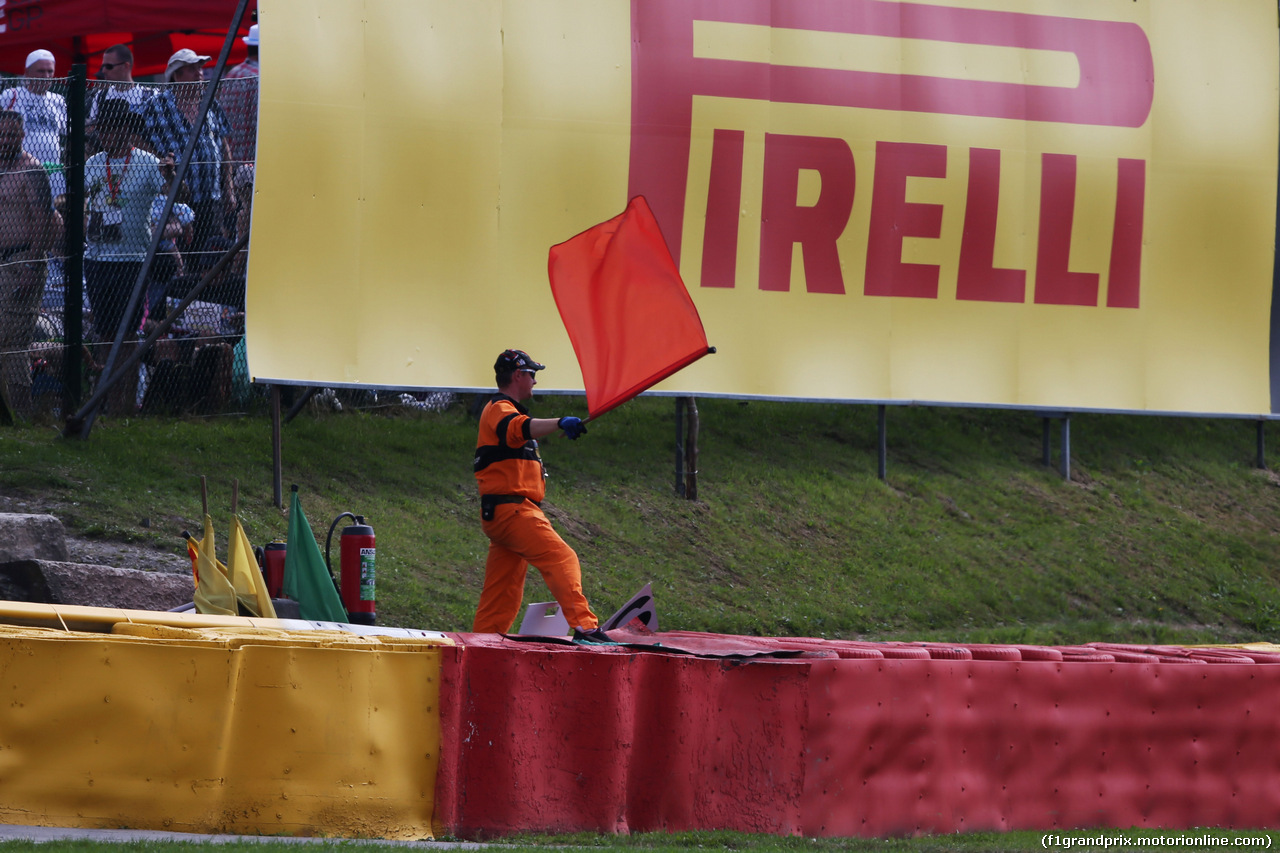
(564,739)
(900,747)
(539,737)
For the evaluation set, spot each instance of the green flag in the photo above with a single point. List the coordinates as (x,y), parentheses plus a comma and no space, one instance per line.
(306,579)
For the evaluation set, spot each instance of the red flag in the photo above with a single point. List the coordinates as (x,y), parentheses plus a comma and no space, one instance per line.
(628,314)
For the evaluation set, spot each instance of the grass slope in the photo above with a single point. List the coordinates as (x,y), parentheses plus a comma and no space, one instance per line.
(1166,533)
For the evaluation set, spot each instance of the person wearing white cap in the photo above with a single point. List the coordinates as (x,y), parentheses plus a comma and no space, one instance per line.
(44,113)
(170,118)
(238,95)
(185,66)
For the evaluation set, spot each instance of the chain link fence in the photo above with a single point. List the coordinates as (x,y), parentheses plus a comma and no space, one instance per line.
(69,291)
(57,327)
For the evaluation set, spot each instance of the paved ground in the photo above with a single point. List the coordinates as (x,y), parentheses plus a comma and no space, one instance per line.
(10,832)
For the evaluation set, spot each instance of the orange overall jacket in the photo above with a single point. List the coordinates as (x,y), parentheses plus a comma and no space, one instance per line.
(512,485)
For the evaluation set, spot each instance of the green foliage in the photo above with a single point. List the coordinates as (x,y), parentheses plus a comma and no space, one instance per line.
(1164,534)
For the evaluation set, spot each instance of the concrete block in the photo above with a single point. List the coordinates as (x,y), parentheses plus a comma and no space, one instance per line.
(26,536)
(54,582)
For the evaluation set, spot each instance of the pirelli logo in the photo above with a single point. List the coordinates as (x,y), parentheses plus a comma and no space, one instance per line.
(919,58)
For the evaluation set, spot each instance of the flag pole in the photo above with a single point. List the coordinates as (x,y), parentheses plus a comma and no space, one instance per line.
(588,418)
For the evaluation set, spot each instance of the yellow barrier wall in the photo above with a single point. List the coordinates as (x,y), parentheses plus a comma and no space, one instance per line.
(219,730)
(417,159)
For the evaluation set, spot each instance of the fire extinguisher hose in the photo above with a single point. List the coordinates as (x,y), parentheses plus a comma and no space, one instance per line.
(329,541)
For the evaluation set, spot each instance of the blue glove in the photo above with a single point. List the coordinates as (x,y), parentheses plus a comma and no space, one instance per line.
(573,427)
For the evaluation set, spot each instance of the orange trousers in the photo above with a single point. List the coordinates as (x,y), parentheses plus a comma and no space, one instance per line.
(519,535)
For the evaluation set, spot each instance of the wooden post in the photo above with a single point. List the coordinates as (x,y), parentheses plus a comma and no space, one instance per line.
(277,465)
(1066,447)
(691,452)
(882,466)
(679,485)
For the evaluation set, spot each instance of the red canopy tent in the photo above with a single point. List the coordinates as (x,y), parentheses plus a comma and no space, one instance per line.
(79,30)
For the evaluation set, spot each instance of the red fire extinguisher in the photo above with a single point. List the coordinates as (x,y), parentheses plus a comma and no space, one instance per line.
(273,555)
(357,555)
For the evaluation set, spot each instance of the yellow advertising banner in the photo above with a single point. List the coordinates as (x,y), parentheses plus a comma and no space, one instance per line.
(1046,203)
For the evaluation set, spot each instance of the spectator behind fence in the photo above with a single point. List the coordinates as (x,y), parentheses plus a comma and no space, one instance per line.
(44,114)
(178,230)
(244,213)
(238,95)
(170,117)
(29,229)
(120,182)
(117,83)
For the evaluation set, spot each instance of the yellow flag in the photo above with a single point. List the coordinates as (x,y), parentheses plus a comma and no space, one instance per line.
(214,592)
(246,577)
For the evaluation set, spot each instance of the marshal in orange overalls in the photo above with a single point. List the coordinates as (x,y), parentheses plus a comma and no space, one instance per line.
(511,478)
